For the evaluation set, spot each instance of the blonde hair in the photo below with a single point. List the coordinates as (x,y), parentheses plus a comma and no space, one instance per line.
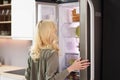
(45,37)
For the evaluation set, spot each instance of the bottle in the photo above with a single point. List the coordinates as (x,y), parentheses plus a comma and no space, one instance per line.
(9,15)
(3,15)
(77,31)
(6,14)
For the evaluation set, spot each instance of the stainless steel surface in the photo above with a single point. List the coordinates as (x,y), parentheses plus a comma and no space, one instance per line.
(92,53)
(83,36)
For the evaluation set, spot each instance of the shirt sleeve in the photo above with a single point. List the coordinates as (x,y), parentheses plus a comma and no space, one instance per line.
(52,68)
(27,70)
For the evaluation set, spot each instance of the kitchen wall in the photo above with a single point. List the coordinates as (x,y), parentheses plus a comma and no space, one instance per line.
(15,52)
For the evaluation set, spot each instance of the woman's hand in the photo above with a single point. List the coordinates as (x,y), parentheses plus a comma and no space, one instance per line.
(78,65)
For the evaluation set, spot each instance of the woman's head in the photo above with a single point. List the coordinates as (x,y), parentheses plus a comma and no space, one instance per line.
(45,37)
(47,32)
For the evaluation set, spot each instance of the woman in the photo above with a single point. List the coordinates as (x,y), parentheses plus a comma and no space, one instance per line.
(43,62)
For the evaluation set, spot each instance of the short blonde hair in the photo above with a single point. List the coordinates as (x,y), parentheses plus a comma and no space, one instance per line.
(45,37)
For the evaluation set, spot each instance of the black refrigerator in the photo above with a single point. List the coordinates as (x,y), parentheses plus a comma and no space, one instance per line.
(111,40)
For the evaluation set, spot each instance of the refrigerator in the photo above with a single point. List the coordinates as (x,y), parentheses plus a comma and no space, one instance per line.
(111,40)
(79,33)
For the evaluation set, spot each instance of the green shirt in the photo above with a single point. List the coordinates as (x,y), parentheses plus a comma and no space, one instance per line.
(46,68)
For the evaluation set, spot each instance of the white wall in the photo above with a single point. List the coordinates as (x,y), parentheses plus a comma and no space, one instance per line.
(15,52)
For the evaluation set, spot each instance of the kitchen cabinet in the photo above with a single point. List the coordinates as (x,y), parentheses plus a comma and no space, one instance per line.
(17,20)
(5,20)
(23,19)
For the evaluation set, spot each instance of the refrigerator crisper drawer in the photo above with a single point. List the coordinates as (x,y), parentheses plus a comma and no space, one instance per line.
(57,1)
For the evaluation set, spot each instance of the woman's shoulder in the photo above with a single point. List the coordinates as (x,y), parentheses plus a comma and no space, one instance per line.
(48,52)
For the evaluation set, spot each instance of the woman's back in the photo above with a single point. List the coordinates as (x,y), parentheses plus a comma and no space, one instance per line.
(46,67)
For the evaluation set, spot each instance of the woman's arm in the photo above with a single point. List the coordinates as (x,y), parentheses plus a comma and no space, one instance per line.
(52,72)
(27,71)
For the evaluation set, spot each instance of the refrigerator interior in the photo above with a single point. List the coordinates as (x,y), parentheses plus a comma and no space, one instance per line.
(68,40)
(67,18)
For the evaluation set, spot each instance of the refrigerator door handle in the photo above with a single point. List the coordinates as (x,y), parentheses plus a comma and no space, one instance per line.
(92,47)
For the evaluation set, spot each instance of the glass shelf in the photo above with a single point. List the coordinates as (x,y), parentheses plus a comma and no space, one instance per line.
(72,24)
(5,5)
(5,22)
(7,37)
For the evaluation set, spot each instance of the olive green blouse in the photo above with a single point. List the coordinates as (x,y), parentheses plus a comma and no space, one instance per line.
(46,68)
